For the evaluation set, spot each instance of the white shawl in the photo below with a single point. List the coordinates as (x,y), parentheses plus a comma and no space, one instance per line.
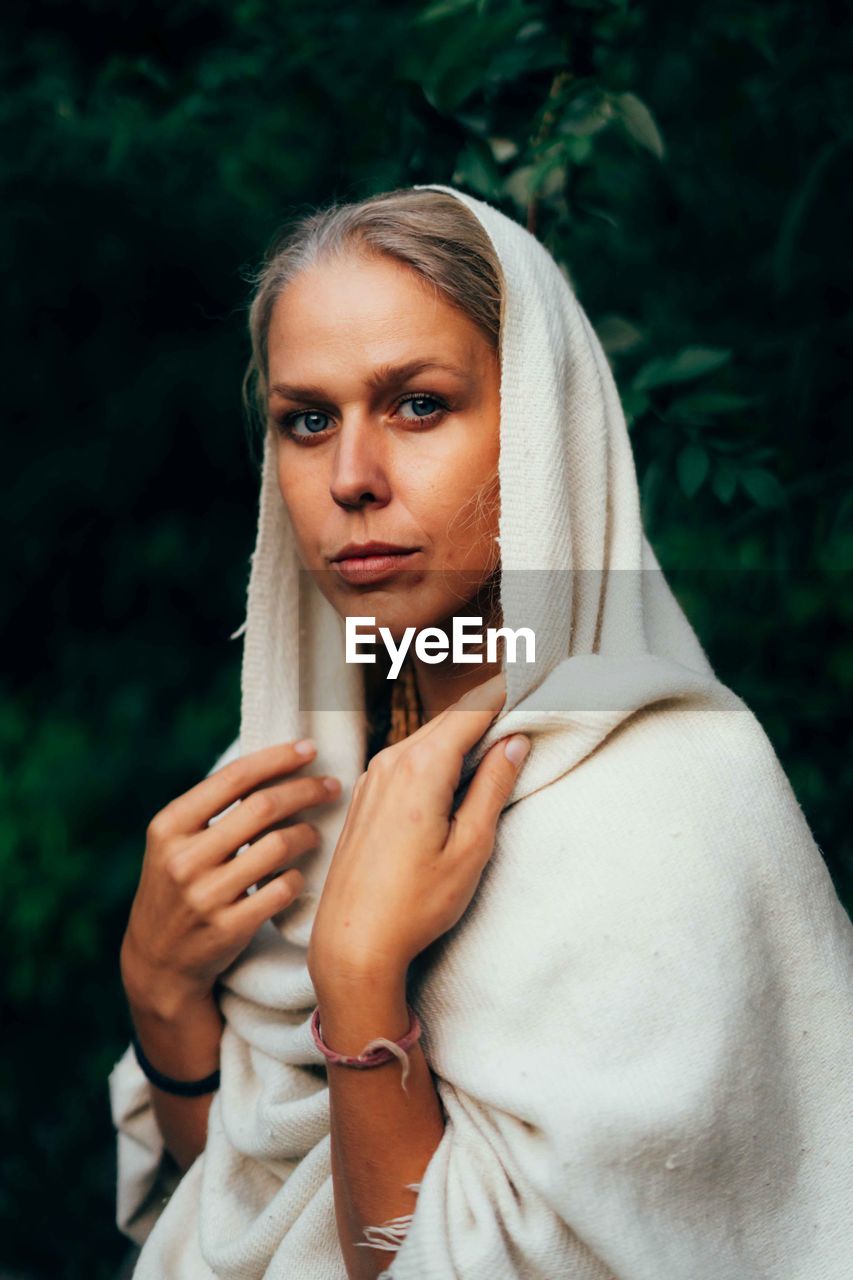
(640,1029)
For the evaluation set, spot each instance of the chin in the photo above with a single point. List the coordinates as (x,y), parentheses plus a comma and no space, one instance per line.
(395,608)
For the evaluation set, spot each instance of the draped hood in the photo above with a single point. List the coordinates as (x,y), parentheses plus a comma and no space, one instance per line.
(576,568)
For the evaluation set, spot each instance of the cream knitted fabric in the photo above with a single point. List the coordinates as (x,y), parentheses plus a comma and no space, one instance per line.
(641,1027)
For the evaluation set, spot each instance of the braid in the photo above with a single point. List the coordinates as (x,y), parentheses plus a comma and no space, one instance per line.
(406,709)
(393,708)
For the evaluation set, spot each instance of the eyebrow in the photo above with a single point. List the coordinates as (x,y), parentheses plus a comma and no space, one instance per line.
(383,376)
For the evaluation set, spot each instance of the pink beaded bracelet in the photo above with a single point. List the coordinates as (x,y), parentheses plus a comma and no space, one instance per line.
(375,1052)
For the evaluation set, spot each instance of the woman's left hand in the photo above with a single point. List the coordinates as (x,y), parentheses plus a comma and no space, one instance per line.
(405,869)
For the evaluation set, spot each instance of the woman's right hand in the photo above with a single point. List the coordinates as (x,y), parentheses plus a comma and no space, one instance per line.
(192,916)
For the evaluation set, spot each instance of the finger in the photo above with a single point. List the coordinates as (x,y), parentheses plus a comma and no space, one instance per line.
(491,693)
(465,722)
(254,816)
(267,857)
(250,913)
(194,809)
(489,790)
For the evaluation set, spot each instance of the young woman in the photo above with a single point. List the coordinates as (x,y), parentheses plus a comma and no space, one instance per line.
(567,889)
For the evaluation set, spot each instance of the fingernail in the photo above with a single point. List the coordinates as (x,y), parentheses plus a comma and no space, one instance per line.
(516,749)
(332,785)
(305,747)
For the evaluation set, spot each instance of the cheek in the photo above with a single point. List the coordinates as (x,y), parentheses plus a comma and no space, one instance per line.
(299,493)
(457,490)
(476,462)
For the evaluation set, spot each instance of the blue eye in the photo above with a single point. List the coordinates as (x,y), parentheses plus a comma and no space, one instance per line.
(310,416)
(417,403)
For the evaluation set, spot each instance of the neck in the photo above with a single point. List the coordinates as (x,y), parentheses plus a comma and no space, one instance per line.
(442,684)
(439,689)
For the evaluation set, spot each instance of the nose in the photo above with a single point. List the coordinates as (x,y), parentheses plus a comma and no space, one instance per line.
(359,469)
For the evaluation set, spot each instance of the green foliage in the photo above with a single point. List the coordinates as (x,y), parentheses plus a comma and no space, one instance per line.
(687,167)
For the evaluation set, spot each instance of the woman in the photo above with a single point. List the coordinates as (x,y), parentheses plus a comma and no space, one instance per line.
(628,965)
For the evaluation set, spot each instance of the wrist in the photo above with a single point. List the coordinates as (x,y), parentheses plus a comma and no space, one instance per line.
(336,973)
(172,1008)
(155,993)
(183,1043)
(353,1014)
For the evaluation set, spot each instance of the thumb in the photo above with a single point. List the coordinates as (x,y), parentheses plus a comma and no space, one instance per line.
(491,786)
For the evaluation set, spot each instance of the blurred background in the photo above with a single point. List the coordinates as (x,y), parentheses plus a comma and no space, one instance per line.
(689,165)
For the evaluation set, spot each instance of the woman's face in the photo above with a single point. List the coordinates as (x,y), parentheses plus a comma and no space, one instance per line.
(385,401)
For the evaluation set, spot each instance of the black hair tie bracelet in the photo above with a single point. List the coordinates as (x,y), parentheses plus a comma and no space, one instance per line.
(183,1088)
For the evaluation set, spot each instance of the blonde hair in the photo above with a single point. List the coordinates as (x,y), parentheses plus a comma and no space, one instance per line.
(436,236)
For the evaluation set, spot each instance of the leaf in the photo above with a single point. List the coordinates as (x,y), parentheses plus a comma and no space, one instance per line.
(638,122)
(763,487)
(503,149)
(794,217)
(578,150)
(616,334)
(691,362)
(476,57)
(515,58)
(634,405)
(550,180)
(476,168)
(519,185)
(545,179)
(582,120)
(692,468)
(724,481)
(650,486)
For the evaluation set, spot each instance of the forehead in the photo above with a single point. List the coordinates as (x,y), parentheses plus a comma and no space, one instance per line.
(366,310)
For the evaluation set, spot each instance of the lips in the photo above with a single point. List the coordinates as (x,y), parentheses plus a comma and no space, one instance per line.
(363,550)
(373,561)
